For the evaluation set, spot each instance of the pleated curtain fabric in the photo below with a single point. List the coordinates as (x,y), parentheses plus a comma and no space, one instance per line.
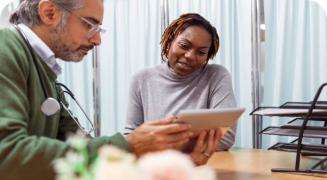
(295,56)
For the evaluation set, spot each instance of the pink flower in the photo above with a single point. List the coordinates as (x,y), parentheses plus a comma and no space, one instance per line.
(167,165)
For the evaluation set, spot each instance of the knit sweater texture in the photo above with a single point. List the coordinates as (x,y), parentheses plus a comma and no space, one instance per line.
(29,140)
(157,92)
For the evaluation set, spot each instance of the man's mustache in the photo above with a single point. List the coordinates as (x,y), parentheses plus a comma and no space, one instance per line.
(90,47)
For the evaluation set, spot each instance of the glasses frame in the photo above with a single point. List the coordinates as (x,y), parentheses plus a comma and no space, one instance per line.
(95,28)
(63,105)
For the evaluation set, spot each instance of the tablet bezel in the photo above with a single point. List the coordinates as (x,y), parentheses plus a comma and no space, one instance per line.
(208,119)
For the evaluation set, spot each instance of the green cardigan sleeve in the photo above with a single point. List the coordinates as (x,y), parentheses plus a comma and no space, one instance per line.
(28,139)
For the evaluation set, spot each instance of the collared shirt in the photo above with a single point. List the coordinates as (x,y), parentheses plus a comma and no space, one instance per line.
(41,49)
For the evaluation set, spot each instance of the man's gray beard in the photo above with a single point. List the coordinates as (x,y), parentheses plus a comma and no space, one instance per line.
(60,42)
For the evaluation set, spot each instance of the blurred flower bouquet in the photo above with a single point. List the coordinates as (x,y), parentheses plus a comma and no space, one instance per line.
(112,163)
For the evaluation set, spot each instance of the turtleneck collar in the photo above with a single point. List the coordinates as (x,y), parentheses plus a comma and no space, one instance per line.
(171,74)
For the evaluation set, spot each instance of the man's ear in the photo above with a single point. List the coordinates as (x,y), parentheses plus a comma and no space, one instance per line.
(49,13)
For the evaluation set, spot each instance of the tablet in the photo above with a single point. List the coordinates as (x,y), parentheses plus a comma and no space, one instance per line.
(208,119)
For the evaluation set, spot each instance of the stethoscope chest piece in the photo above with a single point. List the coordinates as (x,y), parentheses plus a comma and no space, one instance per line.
(50,106)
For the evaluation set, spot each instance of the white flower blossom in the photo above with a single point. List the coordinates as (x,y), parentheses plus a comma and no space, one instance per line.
(77,140)
(113,153)
(65,167)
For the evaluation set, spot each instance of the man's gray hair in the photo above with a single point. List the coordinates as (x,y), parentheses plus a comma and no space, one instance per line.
(28,11)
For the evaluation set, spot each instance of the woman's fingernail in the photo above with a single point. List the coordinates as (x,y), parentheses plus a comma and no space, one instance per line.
(168,118)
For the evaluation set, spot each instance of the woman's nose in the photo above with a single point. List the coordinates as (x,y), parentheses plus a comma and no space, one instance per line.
(190,55)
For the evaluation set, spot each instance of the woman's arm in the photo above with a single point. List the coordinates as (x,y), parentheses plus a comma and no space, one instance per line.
(134,115)
(222,96)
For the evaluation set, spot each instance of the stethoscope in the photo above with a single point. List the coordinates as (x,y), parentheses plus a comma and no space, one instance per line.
(50,106)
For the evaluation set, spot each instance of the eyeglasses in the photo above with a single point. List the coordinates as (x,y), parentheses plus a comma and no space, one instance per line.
(94,28)
(60,98)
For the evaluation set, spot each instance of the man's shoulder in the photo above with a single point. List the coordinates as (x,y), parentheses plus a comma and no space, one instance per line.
(6,30)
(13,49)
(8,33)
(11,38)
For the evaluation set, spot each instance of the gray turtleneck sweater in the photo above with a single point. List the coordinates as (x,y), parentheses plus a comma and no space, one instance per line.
(157,92)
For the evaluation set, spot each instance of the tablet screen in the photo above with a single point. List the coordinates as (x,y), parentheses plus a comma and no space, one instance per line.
(208,119)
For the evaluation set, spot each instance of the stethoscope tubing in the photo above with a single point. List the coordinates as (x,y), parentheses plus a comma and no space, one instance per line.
(35,61)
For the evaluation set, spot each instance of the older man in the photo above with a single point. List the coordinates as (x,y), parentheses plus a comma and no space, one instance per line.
(30,140)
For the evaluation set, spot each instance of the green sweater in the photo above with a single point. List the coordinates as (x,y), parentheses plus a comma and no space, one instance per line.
(29,140)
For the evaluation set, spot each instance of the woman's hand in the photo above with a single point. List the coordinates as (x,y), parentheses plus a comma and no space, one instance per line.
(204,149)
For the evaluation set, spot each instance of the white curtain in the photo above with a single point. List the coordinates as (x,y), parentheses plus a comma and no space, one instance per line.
(295,59)
(232,19)
(130,43)
(4,16)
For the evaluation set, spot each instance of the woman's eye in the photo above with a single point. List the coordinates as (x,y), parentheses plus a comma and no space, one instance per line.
(183,46)
(202,52)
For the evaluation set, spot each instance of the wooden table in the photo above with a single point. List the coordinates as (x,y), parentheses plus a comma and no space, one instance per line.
(256,164)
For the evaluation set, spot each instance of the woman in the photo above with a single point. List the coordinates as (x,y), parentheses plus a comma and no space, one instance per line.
(185,81)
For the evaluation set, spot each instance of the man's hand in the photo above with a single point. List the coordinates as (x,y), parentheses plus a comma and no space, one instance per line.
(158,135)
(203,150)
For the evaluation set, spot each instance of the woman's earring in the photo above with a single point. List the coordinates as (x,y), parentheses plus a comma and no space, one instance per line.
(167,52)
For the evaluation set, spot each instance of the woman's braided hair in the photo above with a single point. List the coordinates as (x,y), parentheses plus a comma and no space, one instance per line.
(183,22)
